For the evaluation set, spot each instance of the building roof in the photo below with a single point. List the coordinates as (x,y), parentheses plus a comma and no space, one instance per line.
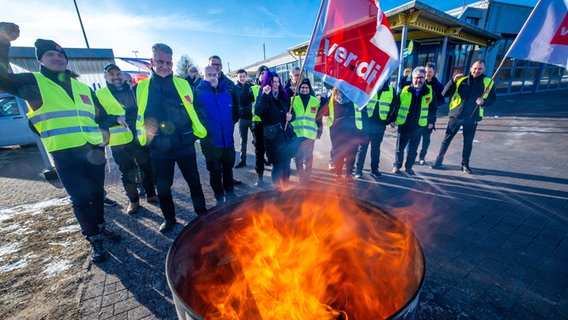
(88,63)
(426,23)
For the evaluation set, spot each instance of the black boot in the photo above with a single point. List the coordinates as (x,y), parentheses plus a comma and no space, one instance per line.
(260,181)
(465,168)
(108,234)
(438,163)
(98,252)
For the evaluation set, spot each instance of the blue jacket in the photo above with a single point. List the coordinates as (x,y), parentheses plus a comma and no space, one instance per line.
(215,106)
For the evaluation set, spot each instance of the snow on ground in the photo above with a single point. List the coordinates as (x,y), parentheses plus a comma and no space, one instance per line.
(33,208)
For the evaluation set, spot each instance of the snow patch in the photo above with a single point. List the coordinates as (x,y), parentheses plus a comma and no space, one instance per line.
(33,208)
(8,249)
(56,267)
(69,229)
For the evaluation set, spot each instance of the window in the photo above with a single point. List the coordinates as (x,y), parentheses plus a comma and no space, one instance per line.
(8,107)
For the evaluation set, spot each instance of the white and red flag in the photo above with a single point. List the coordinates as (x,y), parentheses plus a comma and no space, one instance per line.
(352,48)
(544,37)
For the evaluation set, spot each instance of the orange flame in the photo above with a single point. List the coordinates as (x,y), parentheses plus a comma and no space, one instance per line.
(317,257)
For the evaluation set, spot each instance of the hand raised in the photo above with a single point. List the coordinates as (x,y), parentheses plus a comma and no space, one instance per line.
(9,31)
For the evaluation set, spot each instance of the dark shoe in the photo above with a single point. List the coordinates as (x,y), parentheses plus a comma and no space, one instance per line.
(436,165)
(153,199)
(133,207)
(241,164)
(141,191)
(338,179)
(219,200)
(230,196)
(375,174)
(260,181)
(200,211)
(108,202)
(358,175)
(108,234)
(395,170)
(167,226)
(237,182)
(410,171)
(98,253)
(466,169)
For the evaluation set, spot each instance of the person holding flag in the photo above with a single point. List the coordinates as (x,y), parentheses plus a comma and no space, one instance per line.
(345,123)
(469,94)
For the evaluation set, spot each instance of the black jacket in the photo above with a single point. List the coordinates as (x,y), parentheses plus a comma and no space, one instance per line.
(245,111)
(165,111)
(413,116)
(469,90)
(24,85)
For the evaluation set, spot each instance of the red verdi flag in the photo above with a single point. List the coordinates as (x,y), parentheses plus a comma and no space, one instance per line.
(544,37)
(352,48)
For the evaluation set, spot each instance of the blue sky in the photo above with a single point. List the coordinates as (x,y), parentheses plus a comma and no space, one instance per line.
(234,30)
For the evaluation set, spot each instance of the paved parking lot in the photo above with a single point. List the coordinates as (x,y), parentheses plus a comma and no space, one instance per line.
(495,242)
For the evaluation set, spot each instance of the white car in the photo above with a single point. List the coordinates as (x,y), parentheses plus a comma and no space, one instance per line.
(14,128)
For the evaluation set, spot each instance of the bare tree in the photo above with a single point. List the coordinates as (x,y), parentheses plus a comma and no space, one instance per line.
(183,65)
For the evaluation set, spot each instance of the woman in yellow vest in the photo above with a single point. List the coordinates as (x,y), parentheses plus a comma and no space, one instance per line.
(308,128)
(346,133)
(416,112)
(72,125)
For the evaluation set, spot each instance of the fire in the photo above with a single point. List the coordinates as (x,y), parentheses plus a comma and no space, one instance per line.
(310,257)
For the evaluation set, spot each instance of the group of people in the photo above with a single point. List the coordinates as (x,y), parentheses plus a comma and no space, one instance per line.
(152,126)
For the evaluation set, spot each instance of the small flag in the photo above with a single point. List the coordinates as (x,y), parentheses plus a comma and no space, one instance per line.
(352,48)
(141,63)
(544,37)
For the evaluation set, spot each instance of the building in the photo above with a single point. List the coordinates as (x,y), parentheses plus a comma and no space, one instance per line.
(88,63)
(453,40)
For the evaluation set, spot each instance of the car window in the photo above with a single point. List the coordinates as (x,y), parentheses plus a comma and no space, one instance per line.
(8,107)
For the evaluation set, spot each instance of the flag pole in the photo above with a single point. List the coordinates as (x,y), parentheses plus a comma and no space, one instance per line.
(304,62)
(506,55)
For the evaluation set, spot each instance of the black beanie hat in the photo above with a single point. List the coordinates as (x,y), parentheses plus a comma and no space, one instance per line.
(260,69)
(42,46)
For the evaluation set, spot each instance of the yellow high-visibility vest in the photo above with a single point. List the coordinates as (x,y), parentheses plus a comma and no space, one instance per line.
(456,98)
(385,101)
(186,95)
(406,99)
(255,90)
(358,118)
(119,135)
(305,123)
(62,122)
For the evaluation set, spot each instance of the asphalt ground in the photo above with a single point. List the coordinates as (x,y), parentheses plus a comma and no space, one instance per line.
(495,242)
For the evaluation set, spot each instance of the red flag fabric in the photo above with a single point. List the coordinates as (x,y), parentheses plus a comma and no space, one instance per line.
(544,37)
(352,48)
